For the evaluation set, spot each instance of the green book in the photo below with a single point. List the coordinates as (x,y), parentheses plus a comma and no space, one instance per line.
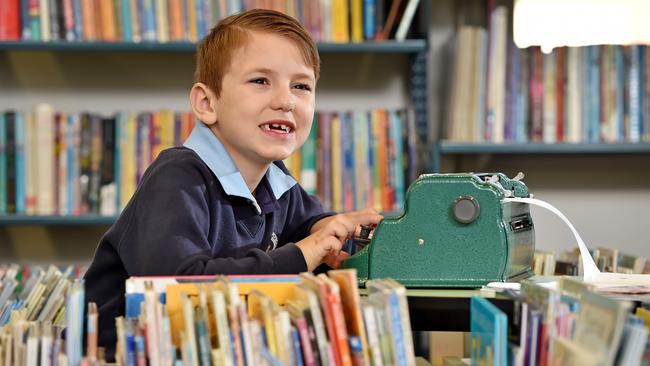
(308,160)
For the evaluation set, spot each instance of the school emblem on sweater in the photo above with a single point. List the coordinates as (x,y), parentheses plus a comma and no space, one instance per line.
(274,243)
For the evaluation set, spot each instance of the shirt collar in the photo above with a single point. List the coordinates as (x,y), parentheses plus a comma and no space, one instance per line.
(203,141)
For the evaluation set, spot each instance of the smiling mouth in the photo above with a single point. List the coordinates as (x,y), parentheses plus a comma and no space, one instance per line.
(277,127)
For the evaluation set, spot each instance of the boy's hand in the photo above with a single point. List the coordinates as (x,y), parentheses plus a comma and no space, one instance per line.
(366,216)
(328,235)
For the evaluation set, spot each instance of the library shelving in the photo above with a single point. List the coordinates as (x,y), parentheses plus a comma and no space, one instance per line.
(520,116)
(107,76)
(388,46)
(56,220)
(453,148)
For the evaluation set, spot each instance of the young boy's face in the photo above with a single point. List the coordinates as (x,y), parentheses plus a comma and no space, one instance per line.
(266,105)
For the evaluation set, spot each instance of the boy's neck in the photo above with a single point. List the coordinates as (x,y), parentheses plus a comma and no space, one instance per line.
(252,173)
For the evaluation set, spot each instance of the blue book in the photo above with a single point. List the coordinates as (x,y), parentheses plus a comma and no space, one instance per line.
(368,19)
(641,53)
(619,66)
(24,20)
(593,123)
(127,36)
(200,19)
(398,171)
(20,163)
(72,161)
(78,21)
(295,343)
(3,165)
(347,151)
(488,332)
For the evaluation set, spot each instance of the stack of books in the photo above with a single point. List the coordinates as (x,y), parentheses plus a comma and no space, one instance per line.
(547,263)
(570,325)
(36,305)
(218,320)
(291,320)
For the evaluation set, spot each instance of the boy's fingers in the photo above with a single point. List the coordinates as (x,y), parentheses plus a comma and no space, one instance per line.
(334,260)
(366,218)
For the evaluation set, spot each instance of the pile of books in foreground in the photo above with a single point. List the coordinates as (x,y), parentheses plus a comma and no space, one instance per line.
(35,308)
(567,325)
(215,320)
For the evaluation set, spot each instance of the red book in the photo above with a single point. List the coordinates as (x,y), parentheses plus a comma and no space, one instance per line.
(9,20)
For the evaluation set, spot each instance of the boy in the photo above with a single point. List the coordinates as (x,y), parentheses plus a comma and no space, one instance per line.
(224,203)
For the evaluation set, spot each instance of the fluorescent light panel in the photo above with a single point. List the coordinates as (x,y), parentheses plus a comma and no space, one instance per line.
(558,23)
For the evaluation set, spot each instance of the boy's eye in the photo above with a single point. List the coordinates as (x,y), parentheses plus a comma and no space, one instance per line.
(260,81)
(302,87)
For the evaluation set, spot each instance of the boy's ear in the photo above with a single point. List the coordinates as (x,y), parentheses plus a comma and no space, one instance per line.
(202,102)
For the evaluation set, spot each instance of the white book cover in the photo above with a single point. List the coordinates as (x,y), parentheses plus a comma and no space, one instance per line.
(44,160)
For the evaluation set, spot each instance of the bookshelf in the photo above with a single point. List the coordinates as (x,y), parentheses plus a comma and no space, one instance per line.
(103,77)
(454,149)
(388,46)
(593,183)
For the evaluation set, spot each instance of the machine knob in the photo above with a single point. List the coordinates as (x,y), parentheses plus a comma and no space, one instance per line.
(466,209)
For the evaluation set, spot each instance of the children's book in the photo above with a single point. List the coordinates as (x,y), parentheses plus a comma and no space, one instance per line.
(600,325)
(488,328)
(276,286)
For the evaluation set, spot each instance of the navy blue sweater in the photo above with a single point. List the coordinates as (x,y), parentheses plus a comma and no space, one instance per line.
(181,222)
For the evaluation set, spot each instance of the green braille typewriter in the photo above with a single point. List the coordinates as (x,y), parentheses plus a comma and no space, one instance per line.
(456,231)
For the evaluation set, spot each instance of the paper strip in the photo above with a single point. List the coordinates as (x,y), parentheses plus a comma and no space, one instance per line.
(591,272)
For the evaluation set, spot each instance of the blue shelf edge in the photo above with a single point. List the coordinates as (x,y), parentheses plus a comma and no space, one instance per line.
(448,147)
(390,46)
(56,220)
(85,220)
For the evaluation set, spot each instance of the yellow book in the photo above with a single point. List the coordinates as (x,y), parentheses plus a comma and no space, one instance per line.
(166,129)
(191,21)
(162,21)
(261,308)
(222,328)
(135,22)
(356,18)
(340,25)
(277,287)
(337,164)
(645,315)
(289,5)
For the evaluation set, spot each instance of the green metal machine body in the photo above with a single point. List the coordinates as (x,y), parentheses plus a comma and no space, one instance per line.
(455,232)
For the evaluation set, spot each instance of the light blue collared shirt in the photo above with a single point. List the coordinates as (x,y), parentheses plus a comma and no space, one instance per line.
(214,155)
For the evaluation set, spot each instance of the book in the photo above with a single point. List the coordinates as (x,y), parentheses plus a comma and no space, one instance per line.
(407,19)
(488,327)
(351,303)
(387,297)
(600,324)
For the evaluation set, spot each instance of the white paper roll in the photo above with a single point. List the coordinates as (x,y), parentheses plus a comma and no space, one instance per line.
(591,272)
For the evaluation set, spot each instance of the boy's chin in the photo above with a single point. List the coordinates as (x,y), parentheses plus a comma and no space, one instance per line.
(277,155)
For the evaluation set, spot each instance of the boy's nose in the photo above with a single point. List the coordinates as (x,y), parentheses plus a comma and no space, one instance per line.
(283,101)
